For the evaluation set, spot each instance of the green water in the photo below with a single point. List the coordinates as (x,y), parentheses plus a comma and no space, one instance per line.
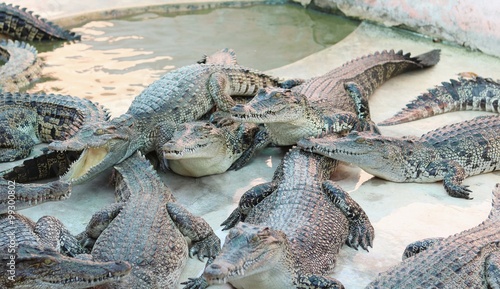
(118,58)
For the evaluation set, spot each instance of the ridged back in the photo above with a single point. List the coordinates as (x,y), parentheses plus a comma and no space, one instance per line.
(23,25)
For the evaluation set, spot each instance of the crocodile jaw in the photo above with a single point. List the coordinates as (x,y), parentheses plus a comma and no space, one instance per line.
(41,268)
(249,250)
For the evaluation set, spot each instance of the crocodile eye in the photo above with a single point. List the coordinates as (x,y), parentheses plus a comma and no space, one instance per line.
(99,131)
(48,262)
(255,239)
(360,140)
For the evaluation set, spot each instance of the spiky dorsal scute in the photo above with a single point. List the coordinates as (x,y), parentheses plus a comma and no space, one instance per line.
(29,26)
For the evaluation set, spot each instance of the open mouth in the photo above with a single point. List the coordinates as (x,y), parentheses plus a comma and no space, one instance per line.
(88,160)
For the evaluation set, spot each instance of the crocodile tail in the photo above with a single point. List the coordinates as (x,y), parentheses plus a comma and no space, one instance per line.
(24,25)
(428,59)
(475,93)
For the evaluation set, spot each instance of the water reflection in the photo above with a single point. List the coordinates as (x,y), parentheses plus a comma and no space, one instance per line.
(117,59)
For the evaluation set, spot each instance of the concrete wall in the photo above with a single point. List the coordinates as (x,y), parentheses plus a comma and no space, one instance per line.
(471,23)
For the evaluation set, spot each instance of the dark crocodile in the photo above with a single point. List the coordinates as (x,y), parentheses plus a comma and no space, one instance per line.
(469,259)
(204,148)
(182,95)
(28,119)
(469,92)
(450,153)
(22,65)
(291,230)
(40,255)
(328,103)
(22,24)
(148,230)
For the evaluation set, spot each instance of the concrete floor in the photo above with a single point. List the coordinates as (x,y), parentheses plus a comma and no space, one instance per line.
(400,213)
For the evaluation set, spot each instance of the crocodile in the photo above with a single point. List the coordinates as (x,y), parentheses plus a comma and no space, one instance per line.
(148,230)
(334,102)
(181,95)
(22,24)
(310,109)
(469,92)
(28,119)
(468,259)
(22,65)
(287,233)
(41,255)
(16,196)
(450,153)
(204,148)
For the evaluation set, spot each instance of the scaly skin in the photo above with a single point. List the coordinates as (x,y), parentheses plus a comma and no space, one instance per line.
(22,65)
(41,253)
(203,148)
(469,259)
(15,196)
(450,153)
(291,230)
(326,103)
(29,119)
(23,25)
(182,95)
(148,231)
(468,93)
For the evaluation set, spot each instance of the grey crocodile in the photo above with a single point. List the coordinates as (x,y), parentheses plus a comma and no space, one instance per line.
(40,255)
(469,92)
(450,153)
(321,104)
(182,95)
(289,231)
(28,119)
(334,102)
(465,260)
(147,230)
(22,24)
(15,196)
(204,148)
(22,65)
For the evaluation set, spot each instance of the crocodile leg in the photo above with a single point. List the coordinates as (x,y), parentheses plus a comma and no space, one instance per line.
(419,246)
(248,200)
(360,229)
(360,103)
(260,141)
(317,282)
(492,269)
(98,223)
(53,232)
(453,174)
(205,242)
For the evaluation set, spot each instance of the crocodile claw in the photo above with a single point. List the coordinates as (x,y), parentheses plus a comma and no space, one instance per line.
(195,283)
(232,220)
(458,191)
(208,247)
(361,234)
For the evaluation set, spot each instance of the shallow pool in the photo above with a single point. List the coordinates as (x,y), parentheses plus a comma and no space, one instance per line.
(117,58)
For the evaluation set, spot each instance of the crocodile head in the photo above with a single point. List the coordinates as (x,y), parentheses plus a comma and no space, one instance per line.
(198,149)
(376,154)
(26,195)
(37,267)
(248,250)
(102,144)
(271,106)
